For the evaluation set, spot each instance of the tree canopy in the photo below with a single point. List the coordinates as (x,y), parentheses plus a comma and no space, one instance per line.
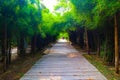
(36,22)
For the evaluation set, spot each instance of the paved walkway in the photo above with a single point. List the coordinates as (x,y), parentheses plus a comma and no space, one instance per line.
(63,63)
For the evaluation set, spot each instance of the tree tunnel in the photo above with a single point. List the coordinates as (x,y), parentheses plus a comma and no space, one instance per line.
(91,24)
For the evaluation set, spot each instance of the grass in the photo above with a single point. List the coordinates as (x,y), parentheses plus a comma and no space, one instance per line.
(19,67)
(107,70)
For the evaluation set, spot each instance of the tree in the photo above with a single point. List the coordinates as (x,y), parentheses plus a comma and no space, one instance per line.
(96,14)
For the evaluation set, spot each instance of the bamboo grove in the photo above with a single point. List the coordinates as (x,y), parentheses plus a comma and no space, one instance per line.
(92,24)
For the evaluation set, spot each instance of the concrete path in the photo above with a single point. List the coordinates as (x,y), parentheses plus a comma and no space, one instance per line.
(63,63)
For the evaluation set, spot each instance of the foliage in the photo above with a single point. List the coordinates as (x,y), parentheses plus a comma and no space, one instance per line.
(26,19)
(94,13)
(63,35)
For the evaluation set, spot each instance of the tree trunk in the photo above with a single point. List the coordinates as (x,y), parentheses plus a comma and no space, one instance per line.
(87,43)
(33,44)
(21,44)
(116,46)
(22,48)
(98,45)
(9,52)
(4,48)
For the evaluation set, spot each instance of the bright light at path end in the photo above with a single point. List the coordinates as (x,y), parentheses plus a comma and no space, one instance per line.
(50,4)
(62,40)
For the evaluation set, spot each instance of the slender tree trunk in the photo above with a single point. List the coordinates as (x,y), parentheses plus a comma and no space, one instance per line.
(33,43)
(116,46)
(18,45)
(9,52)
(98,45)
(22,44)
(4,48)
(87,44)
(21,48)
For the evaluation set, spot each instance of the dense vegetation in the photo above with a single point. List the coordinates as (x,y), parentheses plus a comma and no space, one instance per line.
(93,24)
(100,20)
